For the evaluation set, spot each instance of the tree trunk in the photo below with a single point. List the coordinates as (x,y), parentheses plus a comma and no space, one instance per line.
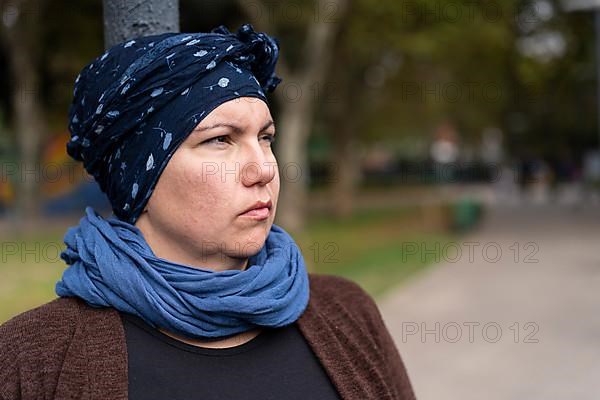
(294,124)
(344,123)
(298,117)
(21,35)
(127,19)
(30,128)
(342,116)
(346,174)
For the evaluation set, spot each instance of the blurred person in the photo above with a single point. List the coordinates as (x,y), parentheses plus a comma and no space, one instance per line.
(541,180)
(591,176)
(505,185)
(567,186)
(188,289)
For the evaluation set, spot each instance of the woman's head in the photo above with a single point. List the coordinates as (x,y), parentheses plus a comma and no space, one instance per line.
(137,114)
(223,168)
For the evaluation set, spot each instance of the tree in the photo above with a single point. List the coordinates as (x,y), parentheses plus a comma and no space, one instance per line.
(126,19)
(19,34)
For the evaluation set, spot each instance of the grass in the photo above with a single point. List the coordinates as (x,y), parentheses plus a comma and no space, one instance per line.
(370,247)
(29,268)
(367,248)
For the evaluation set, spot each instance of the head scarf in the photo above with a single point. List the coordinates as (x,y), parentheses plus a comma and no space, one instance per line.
(134,105)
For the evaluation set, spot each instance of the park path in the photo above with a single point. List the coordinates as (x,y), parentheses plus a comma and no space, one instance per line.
(550,288)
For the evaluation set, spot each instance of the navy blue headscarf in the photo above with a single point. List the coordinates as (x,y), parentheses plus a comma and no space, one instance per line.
(134,105)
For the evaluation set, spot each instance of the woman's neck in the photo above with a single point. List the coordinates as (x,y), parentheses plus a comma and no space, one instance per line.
(233,341)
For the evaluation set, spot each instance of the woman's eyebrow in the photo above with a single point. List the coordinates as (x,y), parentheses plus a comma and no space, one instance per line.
(237,129)
(266,126)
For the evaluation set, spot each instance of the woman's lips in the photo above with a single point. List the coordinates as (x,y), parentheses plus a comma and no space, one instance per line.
(257,213)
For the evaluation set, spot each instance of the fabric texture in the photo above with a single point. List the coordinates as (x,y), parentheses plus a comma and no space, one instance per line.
(68,350)
(112,265)
(276,364)
(135,104)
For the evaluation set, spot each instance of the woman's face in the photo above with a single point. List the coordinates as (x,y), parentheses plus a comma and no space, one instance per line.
(195,214)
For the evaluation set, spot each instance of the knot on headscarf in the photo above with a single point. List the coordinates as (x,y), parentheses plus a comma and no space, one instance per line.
(135,104)
(259,55)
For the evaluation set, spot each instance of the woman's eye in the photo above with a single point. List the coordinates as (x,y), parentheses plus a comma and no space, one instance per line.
(223,139)
(216,139)
(270,137)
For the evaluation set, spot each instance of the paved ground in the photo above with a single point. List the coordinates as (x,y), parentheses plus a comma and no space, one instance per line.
(550,288)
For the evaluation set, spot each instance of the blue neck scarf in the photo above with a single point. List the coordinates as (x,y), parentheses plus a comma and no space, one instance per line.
(111,265)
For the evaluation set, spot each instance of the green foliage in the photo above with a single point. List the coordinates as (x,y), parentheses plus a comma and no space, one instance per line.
(461,61)
(71,38)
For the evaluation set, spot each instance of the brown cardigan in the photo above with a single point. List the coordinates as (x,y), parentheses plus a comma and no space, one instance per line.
(66,349)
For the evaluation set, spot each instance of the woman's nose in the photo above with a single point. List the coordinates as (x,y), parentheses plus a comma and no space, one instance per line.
(258,166)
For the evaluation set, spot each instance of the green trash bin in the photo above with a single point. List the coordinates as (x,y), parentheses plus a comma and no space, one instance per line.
(466,213)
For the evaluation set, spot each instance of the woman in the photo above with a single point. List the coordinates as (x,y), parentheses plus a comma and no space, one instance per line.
(189,290)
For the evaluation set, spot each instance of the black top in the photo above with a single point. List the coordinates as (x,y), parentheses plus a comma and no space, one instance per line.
(276,364)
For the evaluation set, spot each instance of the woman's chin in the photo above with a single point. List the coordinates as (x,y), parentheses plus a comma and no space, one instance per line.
(251,244)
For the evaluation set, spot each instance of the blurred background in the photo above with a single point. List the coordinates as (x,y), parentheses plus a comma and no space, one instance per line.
(444,154)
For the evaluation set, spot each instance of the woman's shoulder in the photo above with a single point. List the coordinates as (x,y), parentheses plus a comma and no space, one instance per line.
(37,345)
(347,307)
(332,292)
(33,345)
(41,325)
(334,284)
